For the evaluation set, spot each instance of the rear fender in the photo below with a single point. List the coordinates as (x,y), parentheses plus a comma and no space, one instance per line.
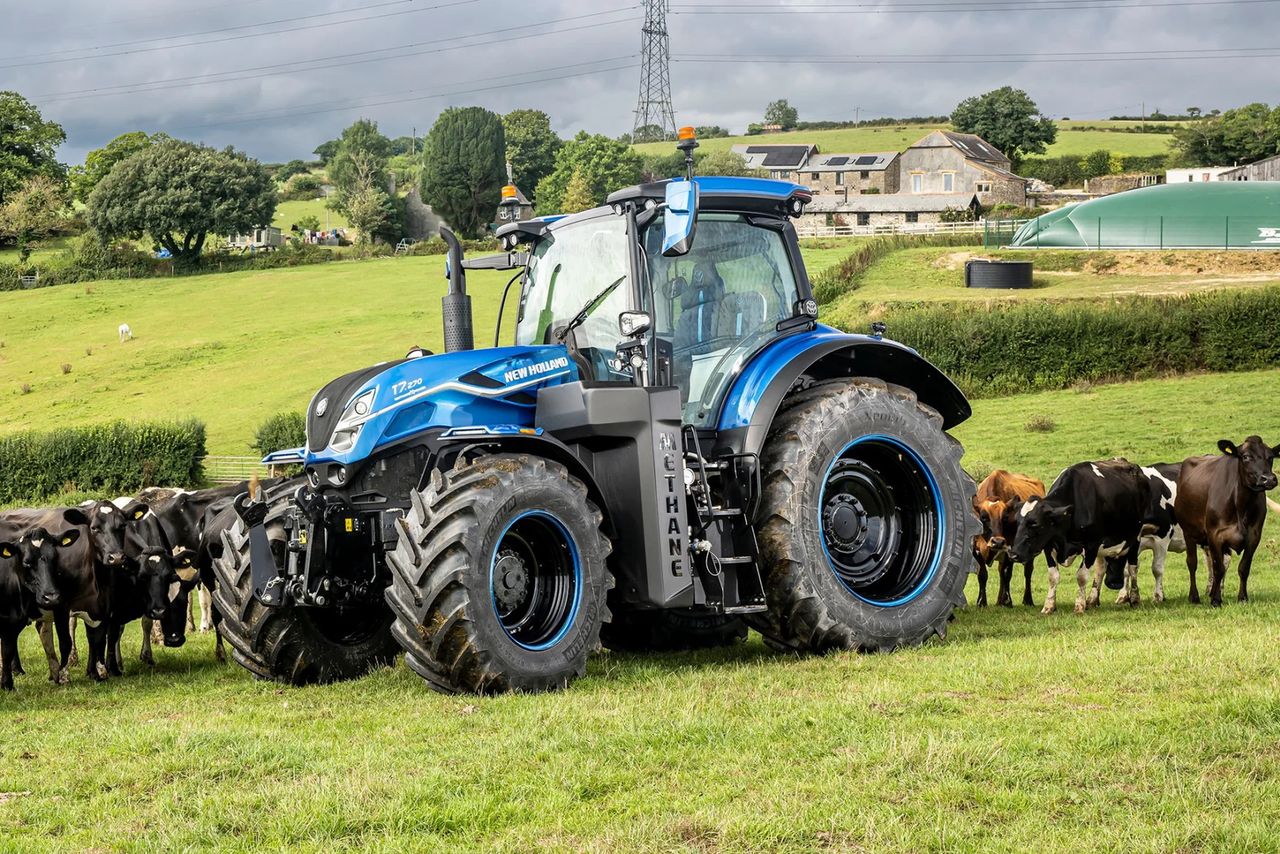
(821,354)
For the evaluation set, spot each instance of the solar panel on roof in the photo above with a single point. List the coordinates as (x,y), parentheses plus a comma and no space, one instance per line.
(837,161)
(787,155)
(866,160)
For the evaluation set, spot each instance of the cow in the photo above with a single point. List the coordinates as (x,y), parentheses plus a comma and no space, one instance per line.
(1221,506)
(155,587)
(997,501)
(126,334)
(18,607)
(1160,531)
(108,522)
(60,568)
(1092,510)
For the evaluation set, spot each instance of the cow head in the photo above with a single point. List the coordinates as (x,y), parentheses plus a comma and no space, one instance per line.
(57,563)
(1039,524)
(999,527)
(108,523)
(1255,460)
(167,579)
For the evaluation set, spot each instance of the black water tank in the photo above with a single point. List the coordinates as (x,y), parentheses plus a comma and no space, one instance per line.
(981,273)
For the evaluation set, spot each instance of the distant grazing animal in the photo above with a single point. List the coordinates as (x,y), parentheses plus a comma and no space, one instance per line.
(1160,531)
(1221,506)
(997,502)
(1093,510)
(126,334)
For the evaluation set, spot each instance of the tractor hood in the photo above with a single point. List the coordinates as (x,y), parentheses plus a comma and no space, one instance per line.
(358,413)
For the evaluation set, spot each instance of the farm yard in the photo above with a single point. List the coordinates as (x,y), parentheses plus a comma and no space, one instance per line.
(1159,723)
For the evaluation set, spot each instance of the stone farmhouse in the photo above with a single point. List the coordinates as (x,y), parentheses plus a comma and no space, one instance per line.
(947,162)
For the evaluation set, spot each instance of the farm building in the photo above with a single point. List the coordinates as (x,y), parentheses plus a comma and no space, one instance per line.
(1192,215)
(1262,170)
(783,162)
(947,162)
(1195,175)
(892,209)
(851,174)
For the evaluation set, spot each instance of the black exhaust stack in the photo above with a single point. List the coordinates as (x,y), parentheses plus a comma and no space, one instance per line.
(456,304)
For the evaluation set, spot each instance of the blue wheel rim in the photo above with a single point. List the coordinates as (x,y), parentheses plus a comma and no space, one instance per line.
(535,580)
(881,521)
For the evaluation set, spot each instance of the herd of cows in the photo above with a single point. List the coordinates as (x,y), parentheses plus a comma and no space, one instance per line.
(108,563)
(1108,512)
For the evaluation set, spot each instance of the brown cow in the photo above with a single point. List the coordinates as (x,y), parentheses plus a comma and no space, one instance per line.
(996,502)
(1221,507)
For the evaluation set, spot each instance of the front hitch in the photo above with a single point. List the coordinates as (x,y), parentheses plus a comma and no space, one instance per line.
(268,584)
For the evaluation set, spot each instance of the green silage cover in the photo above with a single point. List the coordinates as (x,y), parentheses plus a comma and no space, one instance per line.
(1223,215)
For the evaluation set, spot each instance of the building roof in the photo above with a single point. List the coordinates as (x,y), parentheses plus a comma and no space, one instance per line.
(972,146)
(779,157)
(892,203)
(1248,167)
(870,162)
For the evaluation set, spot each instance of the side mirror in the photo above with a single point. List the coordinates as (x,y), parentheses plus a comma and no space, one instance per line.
(633,324)
(681,218)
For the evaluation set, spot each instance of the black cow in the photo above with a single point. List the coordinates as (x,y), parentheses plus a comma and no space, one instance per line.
(1222,506)
(17,601)
(1092,510)
(1160,532)
(108,523)
(155,587)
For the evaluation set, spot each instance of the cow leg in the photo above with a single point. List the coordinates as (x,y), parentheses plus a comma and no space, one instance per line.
(8,651)
(17,659)
(62,626)
(1159,554)
(218,652)
(74,658)
(982,585)
(1051,595)
(205,595)
(97,643)
(1131,582)
(1005,597)
(1217,572)
(1026,587)
(1090,561)
(1246,562)
(112,651)
(1193,555)
(146,657)
(44,628)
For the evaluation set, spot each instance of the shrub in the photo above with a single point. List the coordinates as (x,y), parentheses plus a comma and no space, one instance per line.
(280,431)
(1040,424)
(113,459)
(301,188)
(66,368)
(1016,347)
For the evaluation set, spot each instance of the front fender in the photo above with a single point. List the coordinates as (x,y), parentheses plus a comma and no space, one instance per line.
(825,353)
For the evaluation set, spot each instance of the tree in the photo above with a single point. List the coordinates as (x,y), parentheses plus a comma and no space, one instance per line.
(326,150)
(405,145)
(178,193)
(647,133)
(577,195)
(531,147)
(1194,112)
(781,113)
(288,170)
(462,180)
(363,197)
(31,213)
(710,131)
(27,144)
(99,162)
(606,164)
(1007,119)
(361,140)
(724,163)
(1241,135)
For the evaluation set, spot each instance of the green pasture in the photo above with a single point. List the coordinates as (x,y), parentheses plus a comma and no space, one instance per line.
(288,213)
(1131,730)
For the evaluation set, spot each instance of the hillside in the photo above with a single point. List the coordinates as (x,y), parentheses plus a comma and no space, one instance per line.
(1071,140)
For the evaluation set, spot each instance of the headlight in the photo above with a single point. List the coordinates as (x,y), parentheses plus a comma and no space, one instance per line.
(352,420)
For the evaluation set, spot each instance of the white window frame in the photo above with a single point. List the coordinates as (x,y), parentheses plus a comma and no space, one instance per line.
(948,182)
(917,182)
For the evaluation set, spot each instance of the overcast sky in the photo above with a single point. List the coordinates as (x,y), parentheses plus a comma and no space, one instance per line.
(276,78)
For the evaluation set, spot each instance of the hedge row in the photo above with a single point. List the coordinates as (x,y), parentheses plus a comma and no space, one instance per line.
(1037,345)
(1072,171)
(119,458)
(840,279)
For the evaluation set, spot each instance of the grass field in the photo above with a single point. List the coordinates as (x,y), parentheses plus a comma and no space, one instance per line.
(230,349)
(900,137)
(1156,729)
(288,213)
(938,274)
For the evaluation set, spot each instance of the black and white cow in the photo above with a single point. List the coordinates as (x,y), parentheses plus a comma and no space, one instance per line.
(1161,533)
(155,588)
(1093,510)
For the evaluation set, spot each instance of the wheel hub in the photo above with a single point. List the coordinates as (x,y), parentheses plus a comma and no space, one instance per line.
(510,580)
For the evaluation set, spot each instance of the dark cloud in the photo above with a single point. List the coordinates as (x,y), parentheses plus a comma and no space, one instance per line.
(68,59)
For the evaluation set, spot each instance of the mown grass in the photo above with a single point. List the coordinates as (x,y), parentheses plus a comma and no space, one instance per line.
(288,214)
(899,137)
(1155,729)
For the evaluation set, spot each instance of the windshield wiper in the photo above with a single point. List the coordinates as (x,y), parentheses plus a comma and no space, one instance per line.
(591,306)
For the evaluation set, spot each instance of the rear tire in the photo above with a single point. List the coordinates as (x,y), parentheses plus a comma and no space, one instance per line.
(298,646)
(498,579)
(671,630)
(866,521)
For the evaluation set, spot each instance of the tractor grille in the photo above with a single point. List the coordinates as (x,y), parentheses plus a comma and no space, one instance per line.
(337,393)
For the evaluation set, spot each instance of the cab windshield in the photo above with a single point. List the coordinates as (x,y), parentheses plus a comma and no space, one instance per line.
(719,304)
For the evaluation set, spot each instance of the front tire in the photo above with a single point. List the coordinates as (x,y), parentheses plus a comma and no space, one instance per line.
(294,645)
(866,521)
(498,579)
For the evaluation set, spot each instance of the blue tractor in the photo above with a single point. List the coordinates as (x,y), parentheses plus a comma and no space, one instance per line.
(672,450)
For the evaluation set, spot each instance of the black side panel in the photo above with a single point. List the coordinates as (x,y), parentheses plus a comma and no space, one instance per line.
(336,393)
(630,437)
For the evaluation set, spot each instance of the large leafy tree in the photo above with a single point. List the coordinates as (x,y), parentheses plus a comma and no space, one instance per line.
(325,151)
(363,141)
(781,113)
(465,169)
(531,147)
(1242,135)
(1008,119)
(606,165)
(179,193)
(100,161)
(27,144)
(32,212)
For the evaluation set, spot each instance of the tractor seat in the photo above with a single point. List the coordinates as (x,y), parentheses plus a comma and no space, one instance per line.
(698,326)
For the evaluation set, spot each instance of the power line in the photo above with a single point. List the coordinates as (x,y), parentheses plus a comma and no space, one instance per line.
(241,36)
(982,59)
(931,6)
(337,60)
